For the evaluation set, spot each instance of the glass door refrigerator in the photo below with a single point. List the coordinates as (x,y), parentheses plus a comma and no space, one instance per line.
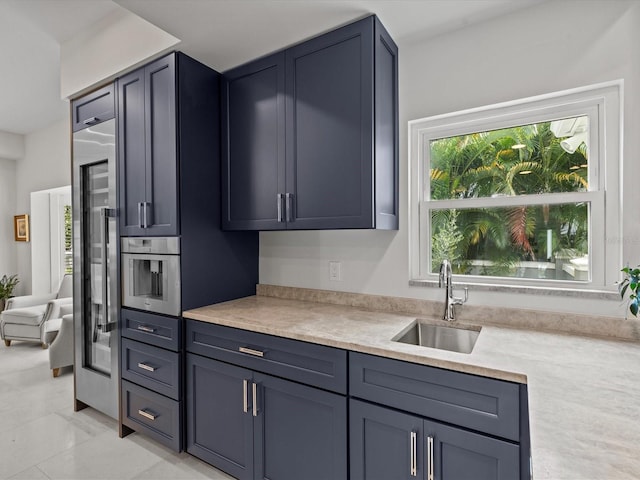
(95,251)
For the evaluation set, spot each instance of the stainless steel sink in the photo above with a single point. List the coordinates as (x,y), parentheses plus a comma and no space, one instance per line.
(461,340)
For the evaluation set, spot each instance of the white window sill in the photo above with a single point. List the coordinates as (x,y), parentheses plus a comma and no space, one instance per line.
(532,290)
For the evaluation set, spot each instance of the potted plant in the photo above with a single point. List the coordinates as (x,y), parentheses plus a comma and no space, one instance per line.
(7,284)
(631,282)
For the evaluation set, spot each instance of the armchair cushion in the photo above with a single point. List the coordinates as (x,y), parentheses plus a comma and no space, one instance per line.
(24,316)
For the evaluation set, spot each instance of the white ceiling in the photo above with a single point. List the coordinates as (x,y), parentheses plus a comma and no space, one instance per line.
(220,33)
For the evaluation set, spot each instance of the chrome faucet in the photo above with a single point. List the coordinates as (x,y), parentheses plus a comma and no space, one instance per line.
(449,299)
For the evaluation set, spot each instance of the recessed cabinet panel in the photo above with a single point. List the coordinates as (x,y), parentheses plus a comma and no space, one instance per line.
(301,432)
(329,117)
(93,108)
(219,430)
(131,151)
(162,160)
(384,443)
(462,455)
(151,413)
(253,154)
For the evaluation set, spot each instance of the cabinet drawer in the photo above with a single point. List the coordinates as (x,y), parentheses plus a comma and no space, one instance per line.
(315,365)
(483,404)
(151,328)
(151,367)
(152,414)
(93,108)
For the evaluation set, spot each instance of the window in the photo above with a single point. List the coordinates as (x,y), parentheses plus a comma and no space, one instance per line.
(520,193)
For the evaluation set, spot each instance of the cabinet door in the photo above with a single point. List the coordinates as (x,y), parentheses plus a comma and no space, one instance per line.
(253,167)
(93,108)
(300,432)
(329,129)
(219,431)
(462,455)
(160,146)
(131,152)
(384,443)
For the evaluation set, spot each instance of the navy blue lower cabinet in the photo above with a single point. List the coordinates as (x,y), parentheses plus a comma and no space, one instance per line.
(255,426)
(458,454)
(384,443)
(219,430)
(388,445)
(301,431)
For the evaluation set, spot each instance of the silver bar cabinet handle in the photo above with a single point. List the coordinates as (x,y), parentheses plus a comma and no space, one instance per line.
(144,328)
(245,393)
(289,206)
(254,387)
(430,458)
(140,214)
(146,367)
(91,120)
(251,351)
(145,220)
(279,205)
(413,462)
(148,415)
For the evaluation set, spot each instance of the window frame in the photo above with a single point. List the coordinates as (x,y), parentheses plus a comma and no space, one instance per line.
(602,103)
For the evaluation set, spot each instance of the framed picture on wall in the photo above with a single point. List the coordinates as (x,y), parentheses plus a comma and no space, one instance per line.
(21,227)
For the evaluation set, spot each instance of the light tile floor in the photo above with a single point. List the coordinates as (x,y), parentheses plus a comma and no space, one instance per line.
(41,437)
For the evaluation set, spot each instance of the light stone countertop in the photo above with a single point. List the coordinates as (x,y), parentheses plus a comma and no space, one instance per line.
(584,393)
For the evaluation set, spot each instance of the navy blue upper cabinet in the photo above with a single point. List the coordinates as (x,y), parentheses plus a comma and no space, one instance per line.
(253,164)
(93,108)
(311,135)
(148,163)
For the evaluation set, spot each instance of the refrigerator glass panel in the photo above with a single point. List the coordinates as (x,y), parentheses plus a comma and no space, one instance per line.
(97,341)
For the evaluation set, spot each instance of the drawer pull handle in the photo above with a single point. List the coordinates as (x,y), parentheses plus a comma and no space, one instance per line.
(146,367)
(430,458)
(144,328)
(91,120)
(251,351)
(245,395)
(148,415)
(413,461)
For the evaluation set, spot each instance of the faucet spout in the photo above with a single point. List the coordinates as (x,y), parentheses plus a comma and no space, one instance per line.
(445,279)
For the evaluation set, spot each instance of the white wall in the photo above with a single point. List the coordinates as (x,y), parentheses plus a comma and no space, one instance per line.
(11,146)
(8,264)
(550,47)
(46,164)
(115,44)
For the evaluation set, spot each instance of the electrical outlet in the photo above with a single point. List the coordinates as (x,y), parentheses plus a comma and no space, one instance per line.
(335,271)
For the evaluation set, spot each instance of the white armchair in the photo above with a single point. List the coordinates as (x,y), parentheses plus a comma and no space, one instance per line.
(26,318)
(61,349)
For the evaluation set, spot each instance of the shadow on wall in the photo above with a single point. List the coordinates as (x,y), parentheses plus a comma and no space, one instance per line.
(301,259)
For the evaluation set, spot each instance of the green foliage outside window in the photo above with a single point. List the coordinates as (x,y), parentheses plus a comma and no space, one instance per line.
(524,160)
